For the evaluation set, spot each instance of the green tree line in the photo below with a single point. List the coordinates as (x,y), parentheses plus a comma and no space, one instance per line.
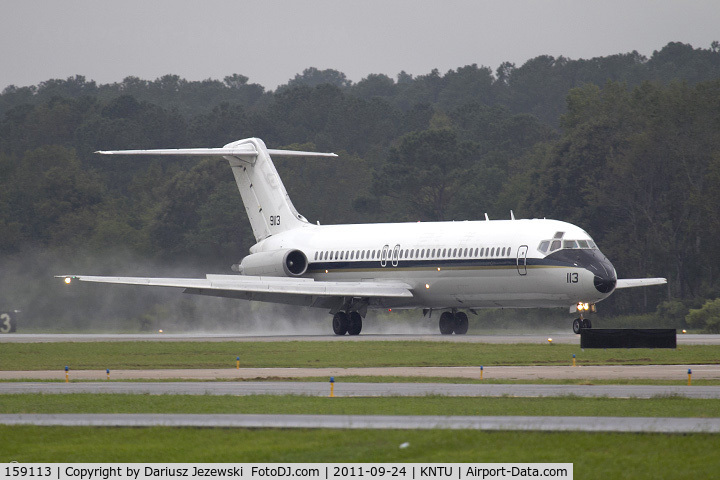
(626,147)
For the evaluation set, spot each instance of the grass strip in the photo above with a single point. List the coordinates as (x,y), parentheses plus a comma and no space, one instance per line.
(594,455)
(298,404)
(165,355)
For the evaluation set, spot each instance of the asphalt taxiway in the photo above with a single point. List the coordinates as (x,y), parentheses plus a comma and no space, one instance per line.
(352,389)
(524,372)
(399,422)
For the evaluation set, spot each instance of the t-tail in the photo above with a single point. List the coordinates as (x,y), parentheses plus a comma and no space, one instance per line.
(266,201)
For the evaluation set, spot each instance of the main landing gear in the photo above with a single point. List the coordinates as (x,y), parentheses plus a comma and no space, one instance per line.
(453,322)
(580,323)
(350,323)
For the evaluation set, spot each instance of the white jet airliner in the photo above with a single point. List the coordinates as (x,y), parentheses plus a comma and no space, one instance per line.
(348,269)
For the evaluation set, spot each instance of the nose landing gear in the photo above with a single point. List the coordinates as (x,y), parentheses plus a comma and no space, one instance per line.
(580,323)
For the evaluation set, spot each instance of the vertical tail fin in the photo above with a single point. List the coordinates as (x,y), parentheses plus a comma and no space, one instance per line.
(266,201)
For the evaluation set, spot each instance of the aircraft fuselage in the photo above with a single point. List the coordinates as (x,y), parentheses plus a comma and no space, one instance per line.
(469,264)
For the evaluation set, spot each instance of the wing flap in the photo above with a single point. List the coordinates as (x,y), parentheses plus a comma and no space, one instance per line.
(279,285)
(639,282)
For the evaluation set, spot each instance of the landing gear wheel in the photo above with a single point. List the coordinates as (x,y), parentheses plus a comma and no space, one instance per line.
(354,323)
(340,323)
(577,325)
(447,323)
(461,323)
(586,323)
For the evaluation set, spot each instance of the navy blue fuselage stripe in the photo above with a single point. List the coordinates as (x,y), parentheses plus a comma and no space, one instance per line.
(433,263)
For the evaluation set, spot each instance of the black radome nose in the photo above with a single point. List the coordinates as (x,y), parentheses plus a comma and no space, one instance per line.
(604,277)
(605,284)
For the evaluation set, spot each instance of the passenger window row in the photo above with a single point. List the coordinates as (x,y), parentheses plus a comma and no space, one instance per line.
(417,253)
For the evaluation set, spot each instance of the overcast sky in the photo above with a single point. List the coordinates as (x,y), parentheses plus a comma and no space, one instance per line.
(271,41)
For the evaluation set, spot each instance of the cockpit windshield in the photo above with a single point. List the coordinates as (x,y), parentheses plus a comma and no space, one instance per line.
(559,242)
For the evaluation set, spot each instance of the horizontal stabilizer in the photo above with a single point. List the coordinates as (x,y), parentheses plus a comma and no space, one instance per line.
(245,150)
(639,282)
(277,285)
(266,201)
(298,153)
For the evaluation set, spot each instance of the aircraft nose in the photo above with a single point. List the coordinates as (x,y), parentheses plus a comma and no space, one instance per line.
(605,278)
(605,283)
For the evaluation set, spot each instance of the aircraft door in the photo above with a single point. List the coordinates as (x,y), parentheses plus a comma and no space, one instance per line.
(396,255)
(384,256)
(522,259)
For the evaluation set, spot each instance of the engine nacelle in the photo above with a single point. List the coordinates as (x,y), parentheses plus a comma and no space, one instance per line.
(279,263)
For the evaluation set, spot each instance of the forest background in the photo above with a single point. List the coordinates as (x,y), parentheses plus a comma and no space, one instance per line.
(624,146)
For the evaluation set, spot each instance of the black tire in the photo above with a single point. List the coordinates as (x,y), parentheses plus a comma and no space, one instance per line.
(577,325)
(354,323)
(340,323)
(461,323)
(447,323)
(586,323)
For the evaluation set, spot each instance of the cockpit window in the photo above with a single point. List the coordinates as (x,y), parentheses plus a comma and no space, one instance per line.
(549,246)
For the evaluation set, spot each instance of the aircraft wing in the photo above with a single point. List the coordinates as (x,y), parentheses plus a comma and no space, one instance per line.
(639,282)
(226,285)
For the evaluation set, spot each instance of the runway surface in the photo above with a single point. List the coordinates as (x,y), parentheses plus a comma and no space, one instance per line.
(557,337)
(343,389)
(401,422)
